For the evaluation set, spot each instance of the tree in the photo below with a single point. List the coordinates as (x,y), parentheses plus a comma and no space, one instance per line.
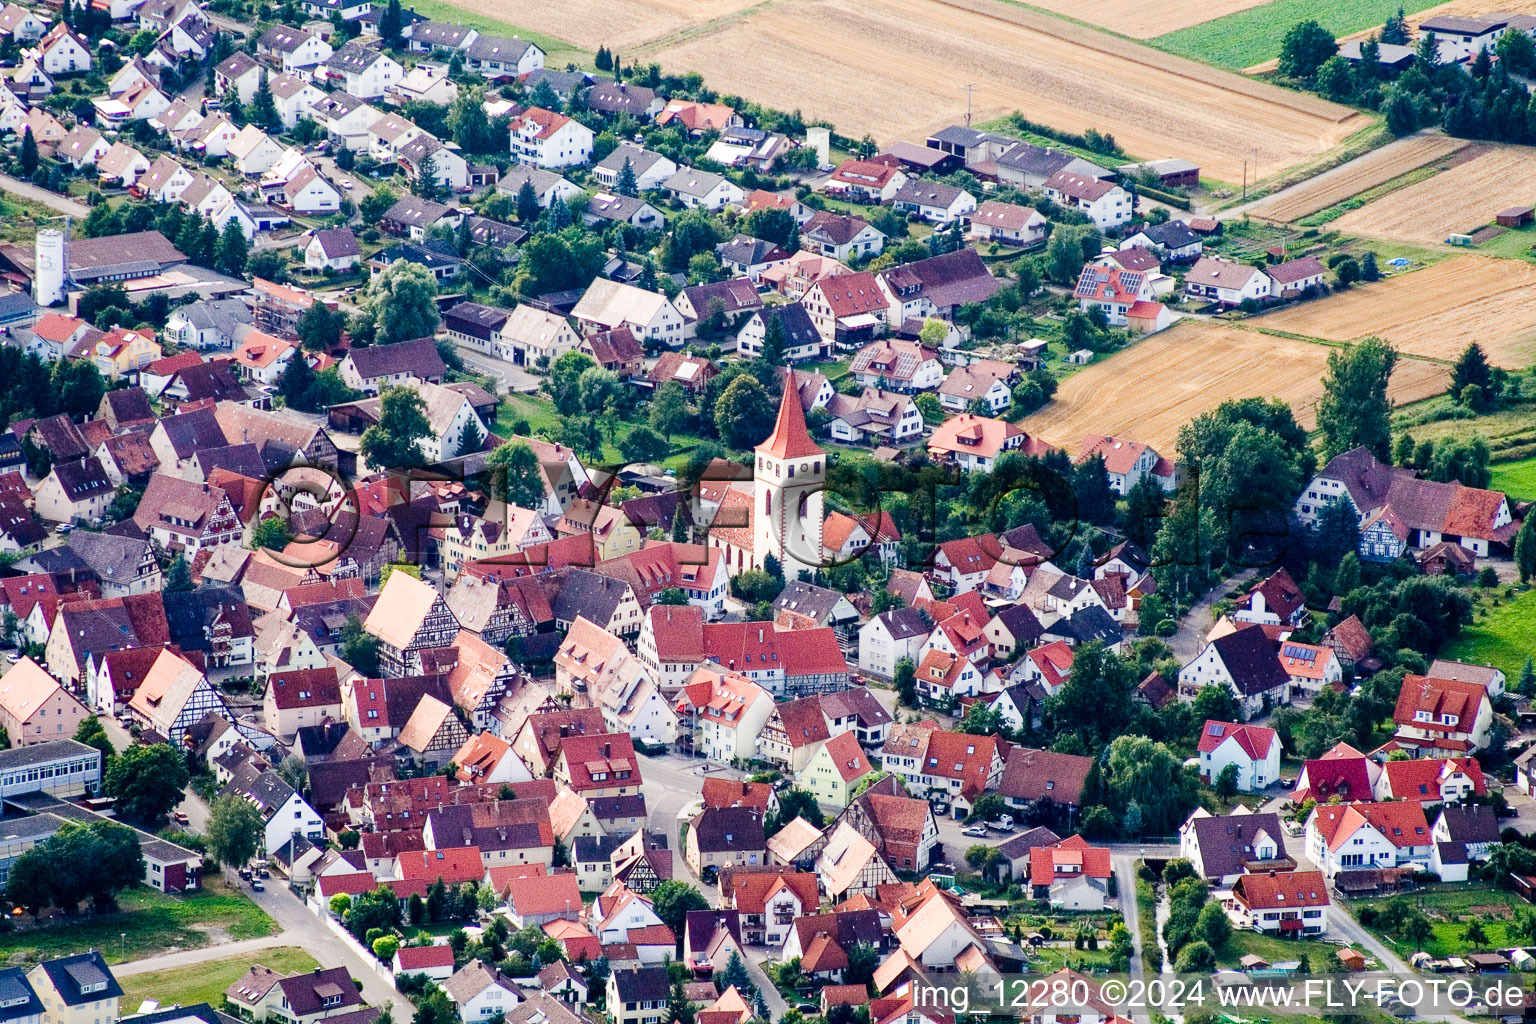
(626,184)
(147,781)
(1402,114)
(1305,47)
(564,381)
(28,157)
(527,202)
(744,413)
(271,532)
(93,734)
(402,301)
(471,126)
(234,830)
(672,901)
(1460,459)
(774,224)
(863,958)
(359,648)
(1395,31)
(472,440)
(262,111)
(297,382)
(1196,958)
(390,23)
(644,445)
(774,338)
(232,251)
(319,329)
(1525,549)
(680,1009)
(1226,782)
(1471,369)
(1067,249)
(178,576)
(1475,934)
(1346,271)
(76,863)
(516,476)
(392,442)
(797,803)
(905,681)
(669,409)
(1354,410)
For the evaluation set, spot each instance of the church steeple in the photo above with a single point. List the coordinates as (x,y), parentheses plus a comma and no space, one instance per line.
(790,438)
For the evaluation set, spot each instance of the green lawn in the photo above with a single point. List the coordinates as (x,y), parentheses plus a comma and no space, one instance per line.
(1320,955)
(1502,637)
(1449,911)
(557,52)
(206,982)
(148,922)
(1517,479)
(1245,38)
(543,420)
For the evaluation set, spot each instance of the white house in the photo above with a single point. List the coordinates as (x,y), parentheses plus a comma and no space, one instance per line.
(363,71)
(1345,837)
(1105,203)
(1226,282)
(890,637)
(254,152)
(63,52)
(649,315)
(703,190)
(1252,750)
(547,139)
(650,169)
(1292,904)
(934,202)
(1246,662)
(336,248)
(1221,848)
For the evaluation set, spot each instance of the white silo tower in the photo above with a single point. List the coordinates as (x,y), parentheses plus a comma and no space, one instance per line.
(50,269)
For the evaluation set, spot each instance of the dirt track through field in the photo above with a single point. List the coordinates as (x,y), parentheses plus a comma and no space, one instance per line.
(1456,201)
(1377,167)
(1435,312)
(1149,390)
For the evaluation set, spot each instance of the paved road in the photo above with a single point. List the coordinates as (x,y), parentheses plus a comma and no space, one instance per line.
(188,957)
(514,379)
(52,200)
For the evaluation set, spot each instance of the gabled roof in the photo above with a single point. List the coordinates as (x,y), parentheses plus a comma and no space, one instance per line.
(1255,741)
(1250,658)
(1281,890)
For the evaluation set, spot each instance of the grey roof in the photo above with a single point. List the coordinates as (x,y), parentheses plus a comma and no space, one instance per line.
(1171,234)
(1020,845)
(1470,823)
(485,231)
(18,1000)
(903,623)
(1092,623)
(961,135)
(418,356)
(639,159)
(807,599)
(473,978)
(498,48)
(642,984)
(16,306)
(354,57)
(190,432)
(749,251)
(691,181)
(110,556)
(619,97)
(417,212)
(541,180)
(82,978)
(1251,659)
(430,254)
(42,753)
(588,594)
(728,829)
(336,242)
(282,39)
(188,1015)
(264,788)
(927,193)
(439,33)
(594,849)
(1226,842)
(82,479)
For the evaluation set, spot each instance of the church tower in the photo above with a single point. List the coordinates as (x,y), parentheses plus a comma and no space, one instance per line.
(790,474)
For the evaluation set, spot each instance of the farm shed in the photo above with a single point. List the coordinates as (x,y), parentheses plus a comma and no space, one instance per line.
(1515,216)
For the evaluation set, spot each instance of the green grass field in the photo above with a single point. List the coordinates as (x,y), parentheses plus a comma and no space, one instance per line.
(1517,479)
(557,52)
(543,420)
(147,923)
(1320,955)
(206,982)
(1250,37)
(1501,638)
(1449,911)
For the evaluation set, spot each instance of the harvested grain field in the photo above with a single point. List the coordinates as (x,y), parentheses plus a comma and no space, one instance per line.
(907,77)
(1455,202)
(621,27)
(1141,20)
(1377,167)
(1149,390)
(1434,312)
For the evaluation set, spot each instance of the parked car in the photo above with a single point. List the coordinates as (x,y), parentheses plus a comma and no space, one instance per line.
(974,830)
(181,818)
(256,885)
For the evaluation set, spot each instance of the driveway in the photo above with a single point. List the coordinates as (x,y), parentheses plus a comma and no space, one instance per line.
(514,379)
(52,200)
